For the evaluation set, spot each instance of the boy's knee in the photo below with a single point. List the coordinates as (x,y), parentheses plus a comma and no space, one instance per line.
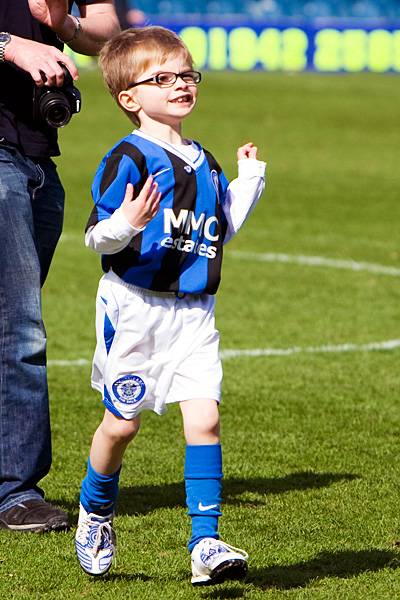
(209,423)
(201,422)
(210,426)
(121,430)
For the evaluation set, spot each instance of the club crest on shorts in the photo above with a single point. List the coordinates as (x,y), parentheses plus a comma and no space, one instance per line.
(215,180)
(129,389)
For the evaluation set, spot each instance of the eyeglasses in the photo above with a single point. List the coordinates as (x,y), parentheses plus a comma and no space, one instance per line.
(166,79)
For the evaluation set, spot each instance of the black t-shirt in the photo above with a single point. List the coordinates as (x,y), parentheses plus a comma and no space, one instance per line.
(17,125)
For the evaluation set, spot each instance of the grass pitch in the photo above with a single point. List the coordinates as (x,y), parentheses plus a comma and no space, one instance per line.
(311,440)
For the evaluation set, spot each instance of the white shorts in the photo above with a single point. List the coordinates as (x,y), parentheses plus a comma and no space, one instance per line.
(153,348)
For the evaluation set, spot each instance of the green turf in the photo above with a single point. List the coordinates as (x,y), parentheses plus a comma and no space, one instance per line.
(311,441)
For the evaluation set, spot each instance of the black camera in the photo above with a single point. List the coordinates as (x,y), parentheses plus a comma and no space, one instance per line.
(56,105)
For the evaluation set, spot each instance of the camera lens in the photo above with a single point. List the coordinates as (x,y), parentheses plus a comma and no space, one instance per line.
(55,109)
(58,116)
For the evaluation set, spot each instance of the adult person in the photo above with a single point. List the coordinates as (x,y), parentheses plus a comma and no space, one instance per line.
(32,36)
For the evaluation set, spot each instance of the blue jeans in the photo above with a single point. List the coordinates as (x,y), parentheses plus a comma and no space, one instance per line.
(31,217)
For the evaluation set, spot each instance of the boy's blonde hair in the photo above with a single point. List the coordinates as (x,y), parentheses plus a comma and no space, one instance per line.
(130,53)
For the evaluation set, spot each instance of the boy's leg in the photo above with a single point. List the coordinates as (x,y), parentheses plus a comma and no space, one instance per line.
(212,561)
(203,467)
(95,539)
(100,487)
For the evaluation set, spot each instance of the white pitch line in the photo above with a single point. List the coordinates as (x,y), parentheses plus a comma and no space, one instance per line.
(255,352)
(297,259)
(315,261)
(72,237)
(79,362)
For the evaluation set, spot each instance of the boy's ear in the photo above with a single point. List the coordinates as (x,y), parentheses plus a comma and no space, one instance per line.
(128,101)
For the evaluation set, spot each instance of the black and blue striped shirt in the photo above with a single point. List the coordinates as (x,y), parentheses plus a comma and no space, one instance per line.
(180,249)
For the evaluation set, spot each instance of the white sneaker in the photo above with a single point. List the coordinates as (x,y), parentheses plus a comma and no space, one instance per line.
(214,561)
(95,542)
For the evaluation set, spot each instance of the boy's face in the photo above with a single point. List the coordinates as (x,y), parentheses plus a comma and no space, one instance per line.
(168,104)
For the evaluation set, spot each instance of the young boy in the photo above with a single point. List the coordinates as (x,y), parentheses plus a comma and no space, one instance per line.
(163,210)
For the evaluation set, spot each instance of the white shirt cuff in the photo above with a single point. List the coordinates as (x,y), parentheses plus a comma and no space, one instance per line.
(121,227)
(251,167)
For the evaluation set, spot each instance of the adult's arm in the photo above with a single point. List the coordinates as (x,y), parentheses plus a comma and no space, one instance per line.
(99,22)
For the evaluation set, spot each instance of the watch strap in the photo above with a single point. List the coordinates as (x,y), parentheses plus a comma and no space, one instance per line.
(3,43)
(78,29)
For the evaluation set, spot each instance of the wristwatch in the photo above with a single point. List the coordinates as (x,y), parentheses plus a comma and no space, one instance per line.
(78,29)
(5,38)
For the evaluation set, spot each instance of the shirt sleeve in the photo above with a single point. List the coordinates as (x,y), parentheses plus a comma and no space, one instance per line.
(107,230)
(243,194)
(111,235)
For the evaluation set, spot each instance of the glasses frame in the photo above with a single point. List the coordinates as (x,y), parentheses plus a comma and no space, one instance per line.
(155,79)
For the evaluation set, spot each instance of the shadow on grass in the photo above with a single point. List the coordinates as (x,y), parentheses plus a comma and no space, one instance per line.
(224,593)
(343,564)
(146,498)
(123,577)
(143,499)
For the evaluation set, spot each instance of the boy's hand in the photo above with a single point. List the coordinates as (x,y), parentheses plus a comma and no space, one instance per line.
(139,211)
(247,151)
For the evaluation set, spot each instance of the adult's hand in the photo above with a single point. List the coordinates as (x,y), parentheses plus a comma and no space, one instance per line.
(40,60)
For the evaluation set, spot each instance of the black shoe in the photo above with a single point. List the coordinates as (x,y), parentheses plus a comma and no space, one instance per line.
(34,515)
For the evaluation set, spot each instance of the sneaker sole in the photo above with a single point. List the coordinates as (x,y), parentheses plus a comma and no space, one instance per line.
(228,570)
(90,572)
(95,574)
(55,524)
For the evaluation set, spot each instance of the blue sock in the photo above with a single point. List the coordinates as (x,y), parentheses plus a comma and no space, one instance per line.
(99,492)
(203,483)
